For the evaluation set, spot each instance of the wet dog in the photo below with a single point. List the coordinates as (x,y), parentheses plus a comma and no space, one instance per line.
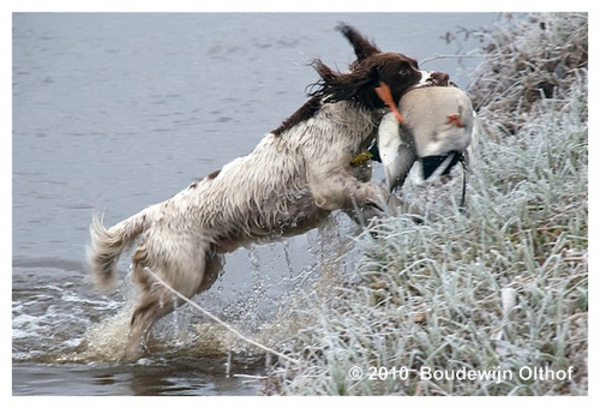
(297,175)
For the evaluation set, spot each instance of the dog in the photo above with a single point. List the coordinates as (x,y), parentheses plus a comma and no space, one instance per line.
(295,177)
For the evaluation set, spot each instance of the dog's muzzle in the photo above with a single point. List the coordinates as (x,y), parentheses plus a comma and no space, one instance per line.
(433,78)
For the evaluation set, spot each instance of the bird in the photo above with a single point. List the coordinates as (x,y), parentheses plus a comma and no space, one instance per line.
(433,126)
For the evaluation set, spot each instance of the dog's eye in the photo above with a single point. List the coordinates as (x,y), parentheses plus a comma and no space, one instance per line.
(403,71)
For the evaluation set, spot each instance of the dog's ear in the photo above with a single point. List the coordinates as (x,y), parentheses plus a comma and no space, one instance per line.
(358,85)
(363,48)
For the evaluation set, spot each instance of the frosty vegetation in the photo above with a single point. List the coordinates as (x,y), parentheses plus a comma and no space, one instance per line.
(502,287)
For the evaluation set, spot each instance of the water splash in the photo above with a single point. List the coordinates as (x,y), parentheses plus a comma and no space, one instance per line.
(106,340)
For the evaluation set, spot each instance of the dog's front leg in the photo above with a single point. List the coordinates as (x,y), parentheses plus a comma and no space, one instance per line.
(340,190)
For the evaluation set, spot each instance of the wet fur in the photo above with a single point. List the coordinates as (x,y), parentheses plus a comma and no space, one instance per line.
(292,180)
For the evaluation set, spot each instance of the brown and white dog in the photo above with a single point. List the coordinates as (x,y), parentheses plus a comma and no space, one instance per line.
(288,184)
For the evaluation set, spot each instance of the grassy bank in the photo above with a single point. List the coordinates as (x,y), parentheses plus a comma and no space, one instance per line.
(502,289)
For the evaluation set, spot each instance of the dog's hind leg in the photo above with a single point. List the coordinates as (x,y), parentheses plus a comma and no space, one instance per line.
(153,305)
(184,272)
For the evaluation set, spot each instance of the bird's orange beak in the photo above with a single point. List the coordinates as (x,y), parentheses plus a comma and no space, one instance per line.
(385,94)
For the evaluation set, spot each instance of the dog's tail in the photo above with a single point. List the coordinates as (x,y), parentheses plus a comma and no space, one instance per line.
(108,244)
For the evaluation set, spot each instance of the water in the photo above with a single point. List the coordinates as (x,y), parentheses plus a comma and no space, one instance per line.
(113,112)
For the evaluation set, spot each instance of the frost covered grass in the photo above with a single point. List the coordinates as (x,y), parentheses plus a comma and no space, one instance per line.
(500,288)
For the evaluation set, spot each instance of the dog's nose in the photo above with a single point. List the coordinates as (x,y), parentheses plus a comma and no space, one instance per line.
(440,78)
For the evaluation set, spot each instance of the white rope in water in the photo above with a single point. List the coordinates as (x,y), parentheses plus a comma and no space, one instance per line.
(216,319)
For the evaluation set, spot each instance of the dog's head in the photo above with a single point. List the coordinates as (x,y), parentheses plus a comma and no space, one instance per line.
(372,68)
